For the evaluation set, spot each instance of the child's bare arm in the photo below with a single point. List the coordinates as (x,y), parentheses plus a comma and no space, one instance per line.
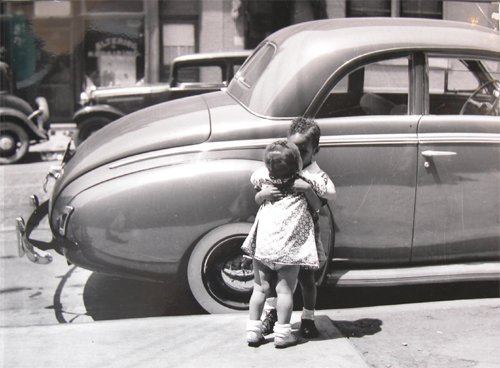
(301,186)
(268,193)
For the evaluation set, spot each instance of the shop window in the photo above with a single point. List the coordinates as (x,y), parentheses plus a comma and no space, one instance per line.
(106,6)
(177,39)
(265,17)
(407,8)
(114,50)
(422,9)
(40,53)
(368,8)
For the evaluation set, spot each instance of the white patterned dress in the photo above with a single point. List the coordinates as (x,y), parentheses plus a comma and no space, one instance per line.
(283,230)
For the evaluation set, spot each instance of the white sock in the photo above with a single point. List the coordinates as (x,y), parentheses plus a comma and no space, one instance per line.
(282,330)
(254,325)
(307,314)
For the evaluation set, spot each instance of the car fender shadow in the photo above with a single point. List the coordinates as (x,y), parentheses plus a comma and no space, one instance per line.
(82,294)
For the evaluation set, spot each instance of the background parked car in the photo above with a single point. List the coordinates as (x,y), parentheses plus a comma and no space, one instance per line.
(190,75)
(408,110)
(20,126)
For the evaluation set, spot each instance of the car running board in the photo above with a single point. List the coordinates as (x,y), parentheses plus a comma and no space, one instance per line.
(462,272)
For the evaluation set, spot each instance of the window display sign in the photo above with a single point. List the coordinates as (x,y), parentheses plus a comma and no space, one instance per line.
(114,51)
(116,61)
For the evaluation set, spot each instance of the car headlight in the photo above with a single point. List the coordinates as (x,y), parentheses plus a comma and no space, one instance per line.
(84,98)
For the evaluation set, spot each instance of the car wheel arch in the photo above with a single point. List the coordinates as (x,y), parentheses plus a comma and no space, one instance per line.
(196,263)
(90,124)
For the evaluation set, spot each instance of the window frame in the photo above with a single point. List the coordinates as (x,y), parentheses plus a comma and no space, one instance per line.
(417,80)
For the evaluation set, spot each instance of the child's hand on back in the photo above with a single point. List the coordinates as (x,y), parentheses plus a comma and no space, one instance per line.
(270,193)
(301,186)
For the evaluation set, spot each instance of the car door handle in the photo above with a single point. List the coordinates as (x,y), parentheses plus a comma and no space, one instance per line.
(430,154)
(437,153)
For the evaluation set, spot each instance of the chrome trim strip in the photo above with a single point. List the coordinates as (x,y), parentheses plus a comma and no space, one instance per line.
(326,141)
(369,139)
(197,148)
(459,138)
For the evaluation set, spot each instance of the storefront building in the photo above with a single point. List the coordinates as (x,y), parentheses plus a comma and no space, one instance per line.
(56,47)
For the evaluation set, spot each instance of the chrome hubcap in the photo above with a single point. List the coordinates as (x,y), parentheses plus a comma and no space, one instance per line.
(7,143)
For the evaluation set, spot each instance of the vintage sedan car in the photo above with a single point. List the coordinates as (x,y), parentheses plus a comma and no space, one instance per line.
(190,75)
(409,112)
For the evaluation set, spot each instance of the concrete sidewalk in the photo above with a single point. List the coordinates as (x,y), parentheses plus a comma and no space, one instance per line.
(457,333)
(188,341)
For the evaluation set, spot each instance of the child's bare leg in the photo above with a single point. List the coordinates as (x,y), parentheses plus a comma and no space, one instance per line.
(309,293)
(287,279)
(262,279)
(308,287)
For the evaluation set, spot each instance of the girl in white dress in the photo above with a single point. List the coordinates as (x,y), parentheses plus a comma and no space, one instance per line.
(282,238)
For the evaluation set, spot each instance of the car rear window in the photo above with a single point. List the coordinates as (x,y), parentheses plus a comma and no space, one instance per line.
(252,70)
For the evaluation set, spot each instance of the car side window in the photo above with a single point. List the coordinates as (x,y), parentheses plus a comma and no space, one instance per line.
(379,88)
(212,74)
(463,86)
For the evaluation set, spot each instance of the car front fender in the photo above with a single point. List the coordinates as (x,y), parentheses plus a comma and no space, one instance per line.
(97,110)
(18,117)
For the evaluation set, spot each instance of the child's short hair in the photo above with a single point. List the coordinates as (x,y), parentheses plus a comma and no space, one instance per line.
(308,127)
(282,159)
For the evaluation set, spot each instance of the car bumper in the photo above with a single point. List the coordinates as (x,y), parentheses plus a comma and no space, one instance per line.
(35,250)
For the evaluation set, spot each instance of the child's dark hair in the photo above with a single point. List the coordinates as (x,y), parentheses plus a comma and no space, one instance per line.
(282,159)
(308,127)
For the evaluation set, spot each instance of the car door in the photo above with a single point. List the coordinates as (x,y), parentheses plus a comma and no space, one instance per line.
(457,212)
(369,149)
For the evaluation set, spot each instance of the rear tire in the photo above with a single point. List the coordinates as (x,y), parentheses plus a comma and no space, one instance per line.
(89,126)
(14,143)
(219,281)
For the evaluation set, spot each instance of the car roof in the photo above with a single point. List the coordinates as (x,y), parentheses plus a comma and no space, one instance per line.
(377,32)
(214,56)
(307,54)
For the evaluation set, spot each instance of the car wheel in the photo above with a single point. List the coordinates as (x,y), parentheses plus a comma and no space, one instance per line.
(89,126)
(14,143)
(219,277)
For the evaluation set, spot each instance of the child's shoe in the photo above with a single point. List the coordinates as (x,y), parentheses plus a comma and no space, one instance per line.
(269,322)
(283,336)
(308,329)
(254,338)
(254,334)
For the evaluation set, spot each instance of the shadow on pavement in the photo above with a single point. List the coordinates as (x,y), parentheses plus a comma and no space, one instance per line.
(359,328)
(108,297)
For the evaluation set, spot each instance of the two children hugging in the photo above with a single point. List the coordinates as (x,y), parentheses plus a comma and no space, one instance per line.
(285,240)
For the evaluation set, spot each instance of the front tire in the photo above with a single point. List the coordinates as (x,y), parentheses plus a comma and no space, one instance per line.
(218,277)
(89,126)
(14,143)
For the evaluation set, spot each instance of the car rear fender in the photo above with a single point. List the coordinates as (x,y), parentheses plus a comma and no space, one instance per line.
(17,117)
(147,221)
(97,110)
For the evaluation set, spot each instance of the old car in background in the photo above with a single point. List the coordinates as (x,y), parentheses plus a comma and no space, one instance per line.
(20,126)
(409,112)
(190,75)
